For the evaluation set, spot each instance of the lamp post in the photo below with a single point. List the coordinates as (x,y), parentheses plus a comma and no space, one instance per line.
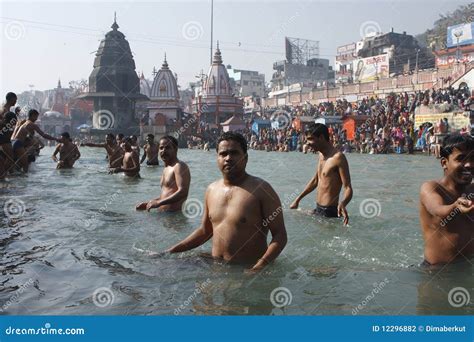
(458,35)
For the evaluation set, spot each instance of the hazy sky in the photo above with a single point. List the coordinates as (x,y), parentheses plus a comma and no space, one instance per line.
(43,41)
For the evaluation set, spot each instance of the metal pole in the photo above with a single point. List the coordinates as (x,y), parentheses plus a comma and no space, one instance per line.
(212,26)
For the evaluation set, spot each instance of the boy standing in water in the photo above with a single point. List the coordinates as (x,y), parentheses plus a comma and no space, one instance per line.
(131,162)
(447,205)
(68,152)
(151,151)
(332,174)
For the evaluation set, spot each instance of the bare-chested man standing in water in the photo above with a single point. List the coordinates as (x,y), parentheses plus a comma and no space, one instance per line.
(175,179)
(114,151)
(151,151)
(131,162)
(331,175)
(447,205)
(68,152)
(239,211)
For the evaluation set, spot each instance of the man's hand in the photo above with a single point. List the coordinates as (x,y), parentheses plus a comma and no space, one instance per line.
(341,211)
(295,204)
(152,205)
(141,206)
(464,205)
(115,170)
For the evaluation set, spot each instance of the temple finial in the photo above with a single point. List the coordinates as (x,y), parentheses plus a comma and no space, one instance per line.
(115,25)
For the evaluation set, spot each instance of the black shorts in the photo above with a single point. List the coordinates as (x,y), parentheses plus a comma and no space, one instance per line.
(330,211)
(149,163)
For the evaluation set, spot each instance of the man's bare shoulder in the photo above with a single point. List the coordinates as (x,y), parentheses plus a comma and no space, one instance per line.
(430,186)
(214,185)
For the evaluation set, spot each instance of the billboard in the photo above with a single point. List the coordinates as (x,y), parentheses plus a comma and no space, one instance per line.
(462,31)
(367,69)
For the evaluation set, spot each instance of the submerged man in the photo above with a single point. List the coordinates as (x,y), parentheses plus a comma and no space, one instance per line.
(175,179)
(447,204)
(68,152)
(27,129)
(114,151)
(239,211)
(131,163)
(151,151)
(331,175)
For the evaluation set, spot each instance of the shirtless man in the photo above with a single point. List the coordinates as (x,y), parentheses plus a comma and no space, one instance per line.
(114,151)
(331,175)
(135,145)
(175,179)
(28,128)
(447,205)
(131,164)
(239,211)
(68,152)
(151,151)
(8,121)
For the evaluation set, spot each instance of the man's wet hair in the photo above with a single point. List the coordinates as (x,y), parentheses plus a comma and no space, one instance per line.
(66,135)
(172,140)
(10,96)
(463,142)
(110,136)
(127,140)
(133,137)
(234,136)
(120,136)
(150,136)
(316,130)
(32,112)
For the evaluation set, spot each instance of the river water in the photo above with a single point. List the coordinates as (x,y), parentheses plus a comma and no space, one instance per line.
(70,244)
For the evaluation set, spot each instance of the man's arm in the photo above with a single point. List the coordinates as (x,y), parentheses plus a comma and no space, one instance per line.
(271,205)
(346,183)
(144,155)
(44,135)
(312,184)
(199,236)
(77,154)
(183,179)
(434,203)
(94,145)
(134,168)
(56,151)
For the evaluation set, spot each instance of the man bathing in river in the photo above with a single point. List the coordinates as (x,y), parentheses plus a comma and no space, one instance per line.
(447,205)
(131,163)
(27,129)
(239,211)
(114,151)
(151,151)
(68,152)
(175,179)
(331,175)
